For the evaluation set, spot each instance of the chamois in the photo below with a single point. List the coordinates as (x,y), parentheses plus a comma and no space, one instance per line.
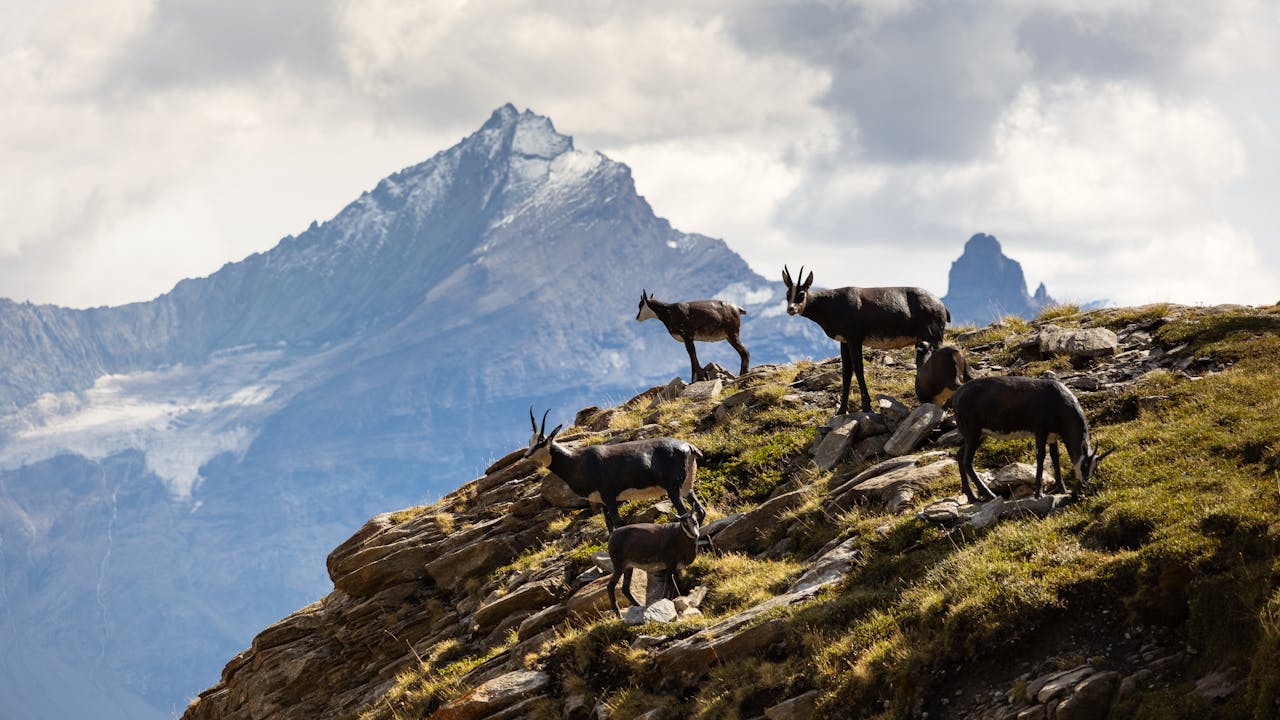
(882,317)
(651,547)
(608,474)
(939,372)
(701,320)
(1015,405)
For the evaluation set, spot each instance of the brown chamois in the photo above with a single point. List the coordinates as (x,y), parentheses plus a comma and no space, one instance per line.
(701,320)
(1018,406)
(882,317)
(939,372)
(653,548)
(609,474)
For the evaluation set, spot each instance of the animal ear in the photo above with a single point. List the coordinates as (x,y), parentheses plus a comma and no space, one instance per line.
(808,282)
(555,432)
(1098,458)
(786,276)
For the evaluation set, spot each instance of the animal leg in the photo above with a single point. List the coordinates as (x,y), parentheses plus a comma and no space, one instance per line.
(846,372)
(967,451)
(677,502)
(961,456)
(862,381)
(1040,441)
(742,352)
(698,509)
(693,359)
(613,583)
(673,590)
(1059,487)
(611,518)
(626,587)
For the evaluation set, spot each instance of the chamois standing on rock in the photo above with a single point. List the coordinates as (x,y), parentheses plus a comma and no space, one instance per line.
(1017,406)
(881,317)
(939,372)
(701,320)
(608,474)
(653,548)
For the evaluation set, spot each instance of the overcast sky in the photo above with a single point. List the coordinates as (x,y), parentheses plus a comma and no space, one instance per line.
(1121,149)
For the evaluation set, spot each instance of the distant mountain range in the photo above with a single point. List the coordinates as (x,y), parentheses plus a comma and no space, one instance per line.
(171,470)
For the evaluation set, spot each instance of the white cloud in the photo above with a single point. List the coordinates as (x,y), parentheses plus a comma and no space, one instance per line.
(147,141)
(179,417)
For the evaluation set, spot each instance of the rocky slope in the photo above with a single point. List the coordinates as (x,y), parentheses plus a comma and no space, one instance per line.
(985,285)
(845,580)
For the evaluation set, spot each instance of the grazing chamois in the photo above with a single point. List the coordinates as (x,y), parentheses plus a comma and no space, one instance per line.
(609,474)
(701,320)
(939,372)
(1015,406)
(653,548)
(884,318)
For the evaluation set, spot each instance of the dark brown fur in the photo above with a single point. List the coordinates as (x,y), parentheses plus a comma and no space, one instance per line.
(885,317)
(700,320)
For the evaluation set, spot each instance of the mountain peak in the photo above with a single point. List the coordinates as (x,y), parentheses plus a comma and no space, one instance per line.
(983,245)
(985,284)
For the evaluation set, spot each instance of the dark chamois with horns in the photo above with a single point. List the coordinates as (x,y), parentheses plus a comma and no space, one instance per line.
(939,372)
(609,474)
(656,548)
(882,317)
(700,320)
(1040,407)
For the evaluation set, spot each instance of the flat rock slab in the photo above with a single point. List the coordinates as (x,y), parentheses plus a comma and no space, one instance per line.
(469,560)
(661,611)
(703,390)
(1077,342)
(914,429)
(847,429)
(746,530)
(557,493)
(527,598)
(830,567)
(494,695)
(894,490)
(686,661)
(800,707)
(957,510)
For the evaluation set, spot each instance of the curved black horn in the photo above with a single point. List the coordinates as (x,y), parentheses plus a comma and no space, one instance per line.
(786,276)
(800,277)
(543,429)
(532,422)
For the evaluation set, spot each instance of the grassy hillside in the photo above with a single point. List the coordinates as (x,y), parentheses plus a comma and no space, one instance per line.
(1167,565)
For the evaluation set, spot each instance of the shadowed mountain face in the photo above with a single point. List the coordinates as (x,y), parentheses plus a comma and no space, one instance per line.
(985,285)
(173,472)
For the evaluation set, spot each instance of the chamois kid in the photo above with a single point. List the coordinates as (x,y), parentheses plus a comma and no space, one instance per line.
(939,372)
(881,317)
(656,548)
(610,474)
(701,320)
(1018,406)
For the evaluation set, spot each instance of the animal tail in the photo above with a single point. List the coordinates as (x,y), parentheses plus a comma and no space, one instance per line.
(948,312)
